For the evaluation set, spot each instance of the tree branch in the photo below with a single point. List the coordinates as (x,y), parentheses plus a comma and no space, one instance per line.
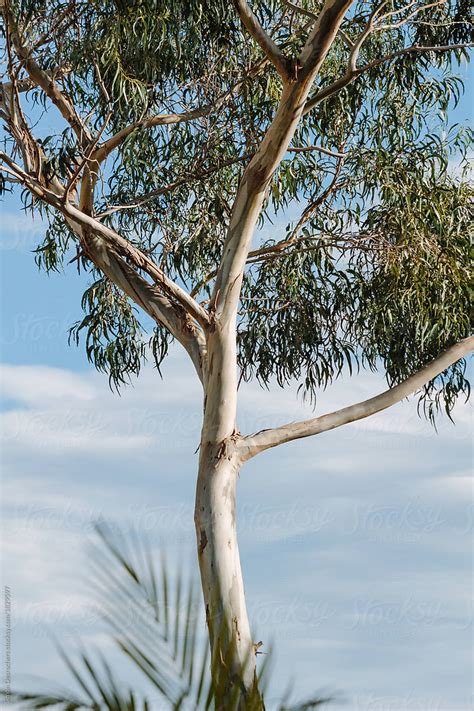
(301,10)
(351,75)
(265,439)
(257,176)
(170,305)
(281,63)
(406,19)
(44,81)
(143,199)
(104,150)
(317,149)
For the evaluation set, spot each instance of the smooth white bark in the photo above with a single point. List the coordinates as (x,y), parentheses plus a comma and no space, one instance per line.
(265,439)
(219,560)
(232,653)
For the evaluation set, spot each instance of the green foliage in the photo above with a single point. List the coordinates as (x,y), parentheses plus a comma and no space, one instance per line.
(153,621)
(386,284)
(114,337)
(377,268)
(419,284)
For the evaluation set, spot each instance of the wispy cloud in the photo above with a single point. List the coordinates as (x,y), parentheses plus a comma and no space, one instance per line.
(21,231)
(354,543)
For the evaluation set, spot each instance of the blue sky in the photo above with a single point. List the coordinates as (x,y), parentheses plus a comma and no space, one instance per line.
(356,545)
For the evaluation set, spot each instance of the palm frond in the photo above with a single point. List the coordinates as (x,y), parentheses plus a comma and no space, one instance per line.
(155,622)
(156,630)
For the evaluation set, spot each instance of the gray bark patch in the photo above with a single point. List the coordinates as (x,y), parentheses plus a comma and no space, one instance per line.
(202,541)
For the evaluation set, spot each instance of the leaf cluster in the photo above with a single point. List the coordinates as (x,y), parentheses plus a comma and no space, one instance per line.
(374,267)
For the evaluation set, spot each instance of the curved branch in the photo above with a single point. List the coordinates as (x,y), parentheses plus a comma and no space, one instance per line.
(104,150)
(258,174)
(141,261)
(281,63)
(156,304)
(301,10)
(265,439)
(44,80)
(407,18)
(115,241)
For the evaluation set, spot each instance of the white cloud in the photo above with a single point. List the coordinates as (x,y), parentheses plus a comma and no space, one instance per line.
(459,485)
(66,430)
(20,231)
(39,385)
(373,517)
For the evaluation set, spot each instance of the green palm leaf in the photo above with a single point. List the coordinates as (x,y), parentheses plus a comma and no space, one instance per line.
(155,624)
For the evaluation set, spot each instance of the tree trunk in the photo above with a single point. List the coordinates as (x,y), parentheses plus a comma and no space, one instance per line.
(232,652)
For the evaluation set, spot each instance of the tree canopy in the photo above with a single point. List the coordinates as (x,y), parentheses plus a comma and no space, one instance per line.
(362,258)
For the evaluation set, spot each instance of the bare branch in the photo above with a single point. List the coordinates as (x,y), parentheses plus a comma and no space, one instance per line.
(401,10)
(301,10)
(314,243)
(104,150)
(265,439)
(108,146)
(357,44)
(317,149)
(281,63)
(406,19)
(398,11)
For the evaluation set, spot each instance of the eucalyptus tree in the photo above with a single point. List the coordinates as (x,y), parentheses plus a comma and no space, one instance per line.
(181,129)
